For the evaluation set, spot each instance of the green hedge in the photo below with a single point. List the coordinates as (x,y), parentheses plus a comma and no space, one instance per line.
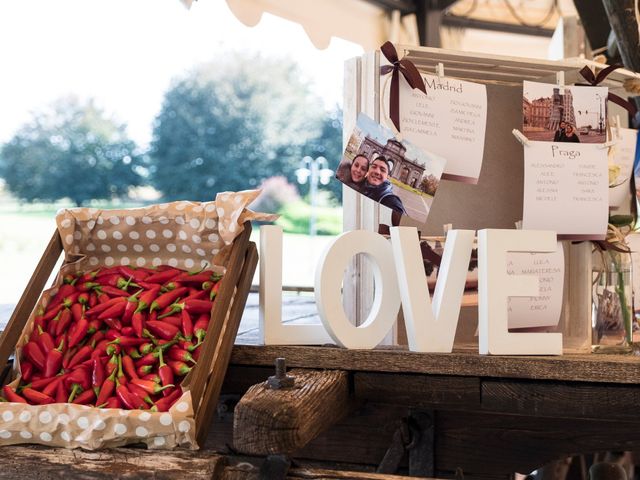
(294,218)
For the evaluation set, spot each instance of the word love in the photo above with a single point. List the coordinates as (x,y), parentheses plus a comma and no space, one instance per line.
(400,280)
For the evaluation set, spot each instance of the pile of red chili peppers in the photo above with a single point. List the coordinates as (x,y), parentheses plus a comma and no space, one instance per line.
(117,337)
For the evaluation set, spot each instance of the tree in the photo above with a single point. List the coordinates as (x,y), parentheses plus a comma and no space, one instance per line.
(229,125)
(429,184)
(71,150)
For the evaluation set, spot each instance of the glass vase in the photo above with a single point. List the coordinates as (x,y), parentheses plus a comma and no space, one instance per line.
(613,322)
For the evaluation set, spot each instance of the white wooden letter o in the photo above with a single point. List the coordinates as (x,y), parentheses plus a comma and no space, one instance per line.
(328,289)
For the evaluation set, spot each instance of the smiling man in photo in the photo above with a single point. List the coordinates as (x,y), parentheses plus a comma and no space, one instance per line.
(378,187)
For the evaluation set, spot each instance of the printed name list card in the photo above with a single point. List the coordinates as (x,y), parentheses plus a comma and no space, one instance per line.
(566,189)
(543,310)
(450,121)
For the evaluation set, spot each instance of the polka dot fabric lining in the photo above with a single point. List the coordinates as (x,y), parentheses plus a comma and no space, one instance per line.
(183,234)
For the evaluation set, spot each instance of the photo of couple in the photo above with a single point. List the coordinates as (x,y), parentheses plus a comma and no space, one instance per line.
(566,133)
(551,113)
(395,174)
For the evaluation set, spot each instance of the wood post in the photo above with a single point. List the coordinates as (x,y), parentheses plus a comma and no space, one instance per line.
(270,421)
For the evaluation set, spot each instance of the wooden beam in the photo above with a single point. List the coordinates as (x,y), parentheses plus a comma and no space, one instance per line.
(623,369)
(37,463)
(282,421)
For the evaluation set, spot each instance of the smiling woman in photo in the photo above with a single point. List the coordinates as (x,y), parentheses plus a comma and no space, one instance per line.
(353,174)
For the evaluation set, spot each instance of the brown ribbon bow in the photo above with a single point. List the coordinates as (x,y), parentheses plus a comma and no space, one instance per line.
(410,73)
(595,80)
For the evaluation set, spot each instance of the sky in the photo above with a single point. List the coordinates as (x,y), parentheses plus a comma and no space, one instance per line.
(124,53)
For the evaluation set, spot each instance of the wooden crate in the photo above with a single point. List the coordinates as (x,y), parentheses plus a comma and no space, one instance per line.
(206,377)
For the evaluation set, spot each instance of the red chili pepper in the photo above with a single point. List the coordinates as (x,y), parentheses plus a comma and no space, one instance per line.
(128,341)
(45,342)
(196,352)
(114,292)
(101,307)
(113,323)
(11,395)
(101,348)
(168,298)
(195,294)
(150,387)
(176,353)
(151,376)
(163,330)
(138,322)
(136,274)
(107,388)
(140,393)
(144,370)
(165,373)
(114,311)
(133,353)
(36,397)
(146,348)
(179,368)
(93,299)
(187,324)
(130,308)
(163,277)
(200,327)
(128,332)
(63,292)
(75,389)
(85,397)
(84,287)
(83,354)
(173,320)
(51,312)
(79,332)
(148,359)
(130,399)
(113,349)
(97,336)
(60,326)
(83,299)
(34,354)
(107,271)
(164,404)
(40,383)
(194,278)
(112,365)
(77,312)
(97,374)
(112,402)
(80,376)
(129,367)
(54,361)
(69,278)
(61,393)
(26,370)
(51,388)
(214,290)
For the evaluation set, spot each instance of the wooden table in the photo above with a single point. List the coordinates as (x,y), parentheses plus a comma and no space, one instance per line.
(492,415)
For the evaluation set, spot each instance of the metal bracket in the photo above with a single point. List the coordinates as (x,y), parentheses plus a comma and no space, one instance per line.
(414,436)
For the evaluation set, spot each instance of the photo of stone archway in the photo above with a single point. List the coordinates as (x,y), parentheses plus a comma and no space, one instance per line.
(395,173)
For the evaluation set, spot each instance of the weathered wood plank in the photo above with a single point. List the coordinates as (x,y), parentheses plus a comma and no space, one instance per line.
(37,282)
(41,463)
(270,421)
(228,328)
(572,400)
(496,444)
(579,368)
(418,390)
